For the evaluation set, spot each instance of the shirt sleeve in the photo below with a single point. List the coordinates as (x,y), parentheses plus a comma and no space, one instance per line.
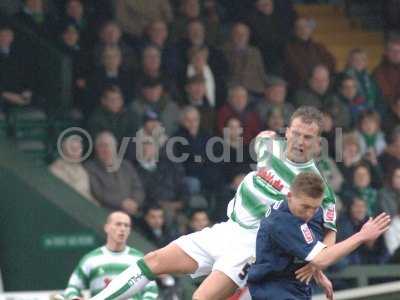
(295,238)
(77,282)
(329,209)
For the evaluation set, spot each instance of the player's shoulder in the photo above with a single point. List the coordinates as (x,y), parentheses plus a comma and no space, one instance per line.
(92,254)
(135,252)
(279,216)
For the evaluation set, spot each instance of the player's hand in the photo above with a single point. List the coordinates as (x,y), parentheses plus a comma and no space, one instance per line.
(325,283)
(375,227)
(306,273)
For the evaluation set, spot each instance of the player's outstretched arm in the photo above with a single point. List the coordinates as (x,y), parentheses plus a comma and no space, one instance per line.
(369,232)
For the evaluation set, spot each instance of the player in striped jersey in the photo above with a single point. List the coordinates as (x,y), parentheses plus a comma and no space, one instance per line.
(225,251)
(96,269)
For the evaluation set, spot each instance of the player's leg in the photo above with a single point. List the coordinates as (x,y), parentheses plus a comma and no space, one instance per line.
(170,259)
(217,286)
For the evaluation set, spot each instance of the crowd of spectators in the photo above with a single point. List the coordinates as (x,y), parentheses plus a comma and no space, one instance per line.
(160,71)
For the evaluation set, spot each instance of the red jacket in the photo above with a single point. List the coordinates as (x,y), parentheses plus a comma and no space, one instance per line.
(388,77)
(250,122)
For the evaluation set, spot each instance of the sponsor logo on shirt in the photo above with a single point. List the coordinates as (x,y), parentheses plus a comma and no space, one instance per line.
(330,214)
(307,234)
(134,279)
(269,177)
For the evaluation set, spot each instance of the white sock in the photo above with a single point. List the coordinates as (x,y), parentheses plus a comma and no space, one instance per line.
(125,285)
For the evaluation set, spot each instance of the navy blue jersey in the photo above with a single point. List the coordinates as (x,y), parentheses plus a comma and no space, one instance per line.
(284,244)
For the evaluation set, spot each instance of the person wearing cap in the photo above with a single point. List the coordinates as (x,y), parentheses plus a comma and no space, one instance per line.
(275,93)
(152,98)
(195,95)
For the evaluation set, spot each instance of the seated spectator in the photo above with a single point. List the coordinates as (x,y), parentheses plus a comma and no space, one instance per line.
(113,182)
(196,96)
(328,168)
(111,115)
(302,54)
(201,173)
(35,18)
(372,140)
(367,87)
(154,228)
(269,33)
(390,158)
(224,196)
(328,133)
(237,106)
(387,74)
(135,15)
(352,157)
(69,168)
(275,93)
(276,121)
(162,179)
(196,38)
(389,196)
(352,102)
(319,95)
(75,14)
(70,45)
(361,186)
(157,35)
(111,72)
(189,10)
(198,220)
(198,65)
(236,156)
(152,98)
(392,118)
(14,75)
(348,224)
(150,69)
(246,66)
(110,35)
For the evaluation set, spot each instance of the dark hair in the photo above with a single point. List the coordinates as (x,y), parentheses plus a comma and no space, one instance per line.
(153,206)
(110,89)
(308,115)
(5,26)
(196,211)
(309,184)
(369,114)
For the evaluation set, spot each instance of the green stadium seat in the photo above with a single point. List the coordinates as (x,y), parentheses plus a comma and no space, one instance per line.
(35,151)
(29,124)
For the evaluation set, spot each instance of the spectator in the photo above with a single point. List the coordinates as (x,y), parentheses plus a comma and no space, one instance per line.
(70,44)
(151,70)
(237,106)
(236,156)
(196,96)
(34,17)
(110,36)
(14,81)
(116,186)
(111,115)
(69,168)
(302,54)
(361,186)
(198,65)
(367,87)
(162,179)
(317,94)
(329,133)
(352,103)
(275,93)
(75,14)
(213,18)
(189,10)
(392,119)
(245,62)
(389,196)
(152,98)
(153,226)
(352,157)
(372,140)
(135,15)
(198,220)
(275,121)
(196,38)
(348,224)
(269,33)
(111,72)
(157,35)
(387,74)
(201,173)
(225,195)
(390,158)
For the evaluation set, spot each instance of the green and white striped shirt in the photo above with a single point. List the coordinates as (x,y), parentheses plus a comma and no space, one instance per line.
(270,183)
(99,267)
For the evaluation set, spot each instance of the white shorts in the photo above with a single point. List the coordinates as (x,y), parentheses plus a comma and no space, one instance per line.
(226,247)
